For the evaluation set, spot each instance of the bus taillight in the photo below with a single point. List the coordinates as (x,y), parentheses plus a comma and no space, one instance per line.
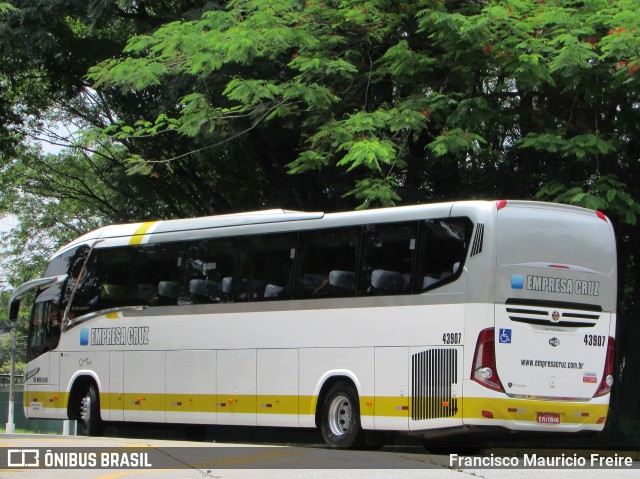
(484,361)
(607,375)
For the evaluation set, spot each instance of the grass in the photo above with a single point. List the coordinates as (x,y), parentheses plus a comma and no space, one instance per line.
(27,431)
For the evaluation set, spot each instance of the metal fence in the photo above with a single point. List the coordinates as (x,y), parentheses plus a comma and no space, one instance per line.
(22,423)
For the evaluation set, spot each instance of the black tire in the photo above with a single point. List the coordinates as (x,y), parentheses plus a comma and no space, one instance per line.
(89,421)
(340,417)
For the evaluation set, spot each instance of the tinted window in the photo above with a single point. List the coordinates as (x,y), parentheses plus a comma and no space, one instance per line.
(387,258)
(266,265)
(104,283)
(327,263)
(156,274)
(70,263)
(441,253)
(62,263)
(45,326)
(209,269)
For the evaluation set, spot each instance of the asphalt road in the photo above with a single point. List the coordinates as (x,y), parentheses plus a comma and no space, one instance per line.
(183,459)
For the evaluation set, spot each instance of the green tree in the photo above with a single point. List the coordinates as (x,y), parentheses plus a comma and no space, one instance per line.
(440,98)
(47,47)
(5,338)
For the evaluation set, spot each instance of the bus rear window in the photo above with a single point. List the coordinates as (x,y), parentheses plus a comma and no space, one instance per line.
(442,249)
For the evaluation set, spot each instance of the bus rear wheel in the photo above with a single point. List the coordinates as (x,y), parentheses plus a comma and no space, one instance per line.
(89,421)
(340,417)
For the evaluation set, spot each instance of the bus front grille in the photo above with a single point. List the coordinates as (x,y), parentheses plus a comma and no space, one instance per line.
(433,372)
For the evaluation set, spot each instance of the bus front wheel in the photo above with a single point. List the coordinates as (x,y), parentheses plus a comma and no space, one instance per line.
(89,420)
(340,419)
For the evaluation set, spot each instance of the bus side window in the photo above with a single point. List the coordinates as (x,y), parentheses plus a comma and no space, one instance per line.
(387,258)
(44,329)
(104,283)
(50,303)
(156,273)
(209,268)
(442,249)
(266,267)
(327,263)
(75,264)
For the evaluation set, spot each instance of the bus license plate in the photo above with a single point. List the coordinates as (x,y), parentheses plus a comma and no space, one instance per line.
(549,418)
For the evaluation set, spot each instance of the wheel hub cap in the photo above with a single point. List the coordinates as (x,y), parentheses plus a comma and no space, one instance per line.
(340,415)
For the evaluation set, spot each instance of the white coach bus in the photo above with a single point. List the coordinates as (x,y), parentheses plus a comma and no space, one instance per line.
(425,319)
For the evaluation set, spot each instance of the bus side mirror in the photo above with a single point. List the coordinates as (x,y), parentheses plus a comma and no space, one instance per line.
(20,291)
(14,309)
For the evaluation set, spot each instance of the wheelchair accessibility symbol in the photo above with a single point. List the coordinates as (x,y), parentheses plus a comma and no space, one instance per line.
(505,336)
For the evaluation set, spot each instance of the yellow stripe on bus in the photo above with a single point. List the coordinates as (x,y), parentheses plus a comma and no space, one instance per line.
(527,410)
(504,409)
(138,235)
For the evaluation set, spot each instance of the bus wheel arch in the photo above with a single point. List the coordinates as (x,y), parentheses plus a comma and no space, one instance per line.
(84,406)
(338,413)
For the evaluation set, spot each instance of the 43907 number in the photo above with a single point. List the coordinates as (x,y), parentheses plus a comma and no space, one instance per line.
(595,340)
(451,338)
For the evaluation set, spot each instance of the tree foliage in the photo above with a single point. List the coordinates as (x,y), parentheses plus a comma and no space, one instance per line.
(388,90)
(22,332)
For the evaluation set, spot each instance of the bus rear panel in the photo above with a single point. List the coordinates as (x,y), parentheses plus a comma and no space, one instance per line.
(551,367)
